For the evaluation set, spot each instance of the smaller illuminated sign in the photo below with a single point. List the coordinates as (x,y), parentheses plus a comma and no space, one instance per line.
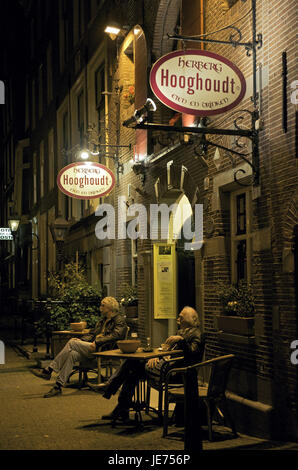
(86,180)
(5,233)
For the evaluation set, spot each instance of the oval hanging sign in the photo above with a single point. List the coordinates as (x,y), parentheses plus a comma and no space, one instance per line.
(85,180)
(197,82)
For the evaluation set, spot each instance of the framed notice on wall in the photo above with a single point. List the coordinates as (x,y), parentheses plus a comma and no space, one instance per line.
(165,280)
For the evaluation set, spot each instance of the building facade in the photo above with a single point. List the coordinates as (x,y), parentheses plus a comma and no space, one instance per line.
(80,86)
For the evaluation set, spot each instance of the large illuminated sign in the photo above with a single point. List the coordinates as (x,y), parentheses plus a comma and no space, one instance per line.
(197,82)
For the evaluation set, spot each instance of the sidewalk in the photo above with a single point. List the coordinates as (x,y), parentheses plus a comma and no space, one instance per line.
(72,421)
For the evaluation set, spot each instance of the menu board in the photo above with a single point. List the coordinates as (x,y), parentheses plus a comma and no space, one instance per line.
(165,280)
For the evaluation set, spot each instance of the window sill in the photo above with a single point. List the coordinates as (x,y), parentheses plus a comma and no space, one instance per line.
(235,338)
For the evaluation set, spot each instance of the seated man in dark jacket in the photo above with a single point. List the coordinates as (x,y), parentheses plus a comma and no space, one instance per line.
(110,328)
(188,338)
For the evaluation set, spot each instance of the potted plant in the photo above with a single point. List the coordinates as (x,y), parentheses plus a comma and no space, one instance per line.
(238,309)
(72,299)
(129,301)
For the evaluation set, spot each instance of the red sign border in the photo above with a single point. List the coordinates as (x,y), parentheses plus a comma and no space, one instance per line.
(98,165)
(183,109)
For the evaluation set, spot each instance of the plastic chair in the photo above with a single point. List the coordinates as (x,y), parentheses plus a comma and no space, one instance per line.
(212,394)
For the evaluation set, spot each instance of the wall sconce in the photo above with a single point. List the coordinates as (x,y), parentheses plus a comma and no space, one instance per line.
(84,154)
(140,114)
(114,30)
(59,229)
(13,223)
(140,169)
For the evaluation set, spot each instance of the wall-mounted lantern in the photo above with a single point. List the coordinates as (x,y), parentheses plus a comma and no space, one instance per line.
(13,223)
(59,229)
(113,29)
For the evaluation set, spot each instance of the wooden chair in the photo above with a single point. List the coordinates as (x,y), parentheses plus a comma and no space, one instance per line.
(212,393)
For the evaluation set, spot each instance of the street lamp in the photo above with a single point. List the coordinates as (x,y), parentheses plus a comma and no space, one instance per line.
(113,29)
(59,229)
(13,223)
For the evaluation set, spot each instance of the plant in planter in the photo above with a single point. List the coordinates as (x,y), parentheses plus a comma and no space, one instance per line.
(73,299)
(129,301)
(238,308)
(237,300)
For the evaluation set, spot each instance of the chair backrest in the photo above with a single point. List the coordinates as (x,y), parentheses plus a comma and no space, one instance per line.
(127,332)
(219,374)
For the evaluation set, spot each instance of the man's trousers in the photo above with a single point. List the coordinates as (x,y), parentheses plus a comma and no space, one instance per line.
(75,350)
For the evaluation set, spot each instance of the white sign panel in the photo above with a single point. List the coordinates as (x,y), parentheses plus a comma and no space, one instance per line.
(5,233)
(197,82)
(86,180)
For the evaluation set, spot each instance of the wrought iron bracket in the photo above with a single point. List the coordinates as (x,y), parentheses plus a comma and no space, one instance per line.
(252,133)
(119,165)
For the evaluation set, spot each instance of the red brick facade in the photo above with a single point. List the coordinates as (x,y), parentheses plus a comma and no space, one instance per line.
(264,383)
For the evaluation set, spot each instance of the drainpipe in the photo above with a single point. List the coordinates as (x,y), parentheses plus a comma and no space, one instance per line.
(202,21)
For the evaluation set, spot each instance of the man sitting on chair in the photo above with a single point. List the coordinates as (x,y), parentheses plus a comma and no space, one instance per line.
(189,339)
(110,328)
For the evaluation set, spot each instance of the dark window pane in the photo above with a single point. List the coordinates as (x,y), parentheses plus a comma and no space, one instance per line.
(241,214)
(241,260)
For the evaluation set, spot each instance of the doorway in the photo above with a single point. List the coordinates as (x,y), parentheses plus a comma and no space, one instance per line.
(186,292)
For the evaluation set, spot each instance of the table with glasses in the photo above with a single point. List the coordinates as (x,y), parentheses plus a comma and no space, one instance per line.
(139,403)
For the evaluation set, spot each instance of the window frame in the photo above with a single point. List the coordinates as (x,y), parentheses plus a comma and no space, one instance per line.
(244,236)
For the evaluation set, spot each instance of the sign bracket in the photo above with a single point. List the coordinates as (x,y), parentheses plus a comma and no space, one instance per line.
(252,133)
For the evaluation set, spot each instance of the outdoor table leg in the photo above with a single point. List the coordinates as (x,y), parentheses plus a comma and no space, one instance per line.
(98,370)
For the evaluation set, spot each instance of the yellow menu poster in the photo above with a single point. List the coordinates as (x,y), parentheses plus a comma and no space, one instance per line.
(165,280)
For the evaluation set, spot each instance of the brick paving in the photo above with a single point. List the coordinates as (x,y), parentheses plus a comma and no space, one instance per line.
(72,421)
